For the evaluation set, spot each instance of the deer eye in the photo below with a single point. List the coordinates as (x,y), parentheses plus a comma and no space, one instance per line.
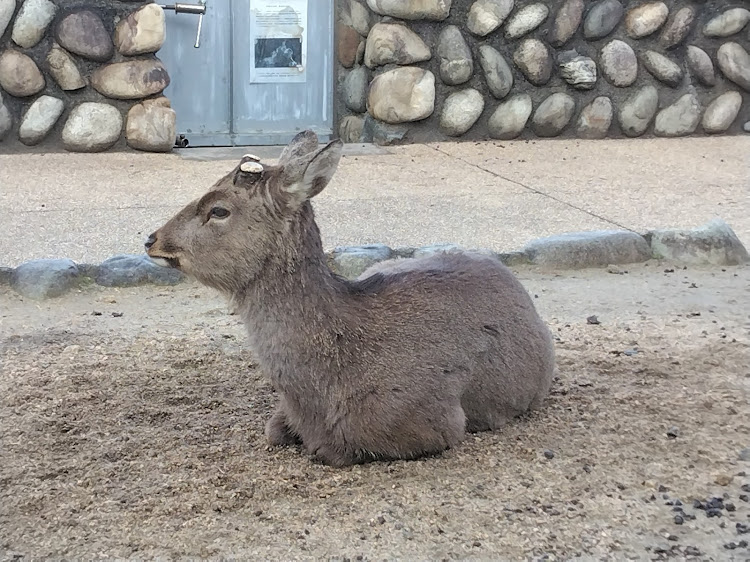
(219,213)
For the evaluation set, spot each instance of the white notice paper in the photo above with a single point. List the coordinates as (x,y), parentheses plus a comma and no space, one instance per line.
(278,39)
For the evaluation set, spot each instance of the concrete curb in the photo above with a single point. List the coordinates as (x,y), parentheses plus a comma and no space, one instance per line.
(714,243)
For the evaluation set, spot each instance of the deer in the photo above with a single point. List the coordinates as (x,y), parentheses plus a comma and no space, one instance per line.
(397,364)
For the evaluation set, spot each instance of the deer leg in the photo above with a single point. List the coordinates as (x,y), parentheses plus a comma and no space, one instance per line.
(278,431)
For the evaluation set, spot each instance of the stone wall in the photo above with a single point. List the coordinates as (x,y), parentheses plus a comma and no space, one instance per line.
(83,74)
(425,70)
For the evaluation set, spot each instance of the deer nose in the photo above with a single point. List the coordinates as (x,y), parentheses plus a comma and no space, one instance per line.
(150,241)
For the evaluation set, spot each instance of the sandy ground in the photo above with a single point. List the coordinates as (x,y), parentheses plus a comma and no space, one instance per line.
(131,426)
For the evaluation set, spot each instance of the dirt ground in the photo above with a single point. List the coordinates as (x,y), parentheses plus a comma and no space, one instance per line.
(131,427)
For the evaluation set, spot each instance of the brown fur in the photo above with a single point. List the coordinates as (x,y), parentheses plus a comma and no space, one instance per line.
(394,365)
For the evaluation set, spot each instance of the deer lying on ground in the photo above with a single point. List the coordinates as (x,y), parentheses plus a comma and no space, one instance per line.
(397,364)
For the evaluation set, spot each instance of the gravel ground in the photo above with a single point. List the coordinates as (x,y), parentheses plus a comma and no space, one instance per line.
(131,426)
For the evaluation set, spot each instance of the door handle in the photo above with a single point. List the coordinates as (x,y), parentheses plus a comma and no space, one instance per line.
(197,9)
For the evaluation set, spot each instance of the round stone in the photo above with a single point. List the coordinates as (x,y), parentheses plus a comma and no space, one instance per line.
(7,8)
(662,68)
(602,19)
(151,126)
(83,33)
(402,95)
(701,66)
(595,119)
(566,22)
(19,75)
(727,23)
(350,128)
(497,72)
(553,115)
(460,111)
(485,16)
(6,120)
(637,112)
(142,31)
(348,45)
(39,119)
(45,278)
(361,17)
(92,127)
(32,21)
(63,69)
(133,79)
(645,19)
(721,113)
(734,63)
(390,43)
(525,20)
(619,63)
(533,59)
(510,118)
(355,89)
(679,119)
(677,28)
(456,62)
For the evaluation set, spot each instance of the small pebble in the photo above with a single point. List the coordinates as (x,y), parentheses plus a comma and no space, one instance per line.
(549,454)
(713,512)
(592,320)
(678,520)
(723,479)
(743,497)
(729,506)
(673,538)
(742,529)
(673,432)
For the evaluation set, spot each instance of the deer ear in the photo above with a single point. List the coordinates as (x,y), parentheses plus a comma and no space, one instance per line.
(303,143)
(318,172)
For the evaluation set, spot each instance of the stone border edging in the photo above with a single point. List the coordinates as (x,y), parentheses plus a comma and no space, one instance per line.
(714,243)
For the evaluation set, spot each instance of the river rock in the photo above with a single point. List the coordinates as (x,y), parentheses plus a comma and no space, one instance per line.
(142,31)
(434,10)
(662,68)
(510,118)
(133,79)
(361,18)
(355,89)
(602,19)
(350,128)
(619,63)
(45,279)
(132,270)
(701,66)
(63,69)
(485,16)
(746,127)
(6,120)
(734,63)
(497,72)
(637,112)
(7,8)
(19,75)
(677,28)
(577,70)
(645,19)
(351,261)
(348,45)
(92,127)
(526,19)
(402,95)
(456,62)
(32,21)
(714,243)
(460,111)
(679,119)
(382,134)
(721,113)
(39,119)
(533,59)
(553,115)
(83,33)
(566,22)
(151,126)
(727,23)
(390,43)
(595,119)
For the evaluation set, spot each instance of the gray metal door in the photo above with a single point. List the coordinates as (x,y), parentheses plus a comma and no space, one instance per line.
(216,91)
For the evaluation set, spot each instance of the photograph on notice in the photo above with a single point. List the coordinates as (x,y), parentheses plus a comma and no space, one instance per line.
(278,53)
